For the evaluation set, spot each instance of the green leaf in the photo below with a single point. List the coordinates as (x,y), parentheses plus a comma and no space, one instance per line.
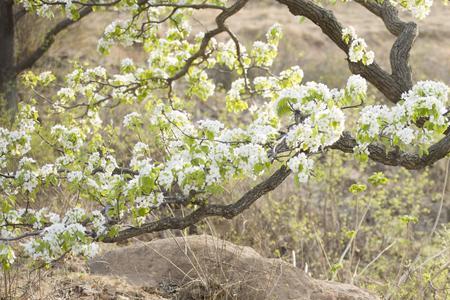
(215,189)
(283,107)
(357,188)
(258,168)
(378,178)
(406,219)
(147,184)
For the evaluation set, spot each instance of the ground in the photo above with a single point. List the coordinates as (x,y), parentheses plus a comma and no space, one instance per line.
(205,267)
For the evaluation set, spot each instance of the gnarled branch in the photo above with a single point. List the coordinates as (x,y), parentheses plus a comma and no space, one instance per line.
(227,211)
(345,144)
(388,84)
(407,160)
(406,33)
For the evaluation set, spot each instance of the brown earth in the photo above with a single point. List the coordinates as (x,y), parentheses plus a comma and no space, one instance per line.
(204,267)
(74,286)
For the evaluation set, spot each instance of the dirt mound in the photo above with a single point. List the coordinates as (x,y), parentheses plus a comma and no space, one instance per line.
(89,287)
(203,267)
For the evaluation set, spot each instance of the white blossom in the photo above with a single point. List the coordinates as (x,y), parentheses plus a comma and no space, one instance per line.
(301,166)
(74,176)
(131,119)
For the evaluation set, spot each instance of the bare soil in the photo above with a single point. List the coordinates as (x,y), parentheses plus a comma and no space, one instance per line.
(204,267)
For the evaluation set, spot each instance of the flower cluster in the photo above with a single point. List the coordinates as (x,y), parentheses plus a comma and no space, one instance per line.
(234,100)
(68,138)
(426,102)
(356,87)
(17,142)
(58,236)
(419,9)
(319,121)
(357,51)
(263,54)
(132,119)
(301,165)
(117,31)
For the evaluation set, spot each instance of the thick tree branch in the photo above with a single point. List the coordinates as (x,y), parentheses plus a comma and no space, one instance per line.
(227,211)
(407,160)
(406,33)
(386,83)
(8,92)
(140,2)
(49,39)
(345,144)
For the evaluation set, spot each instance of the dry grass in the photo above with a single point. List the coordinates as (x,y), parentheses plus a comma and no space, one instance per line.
(204,267)
(70,281)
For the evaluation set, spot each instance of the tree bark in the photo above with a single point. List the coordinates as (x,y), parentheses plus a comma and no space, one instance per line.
(8,93)
(391,85)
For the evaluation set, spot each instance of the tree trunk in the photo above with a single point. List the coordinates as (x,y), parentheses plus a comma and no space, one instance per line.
(8,93)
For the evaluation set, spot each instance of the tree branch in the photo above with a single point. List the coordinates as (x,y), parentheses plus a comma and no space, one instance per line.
(227,211)
(20,237)
(386,83)
(407,160)
(140,2)
(221,27)
(49,39)
(406,33)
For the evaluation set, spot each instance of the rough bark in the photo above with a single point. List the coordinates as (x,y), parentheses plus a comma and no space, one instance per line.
(391,85)
(406,33)
(8,95)
(410,161)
